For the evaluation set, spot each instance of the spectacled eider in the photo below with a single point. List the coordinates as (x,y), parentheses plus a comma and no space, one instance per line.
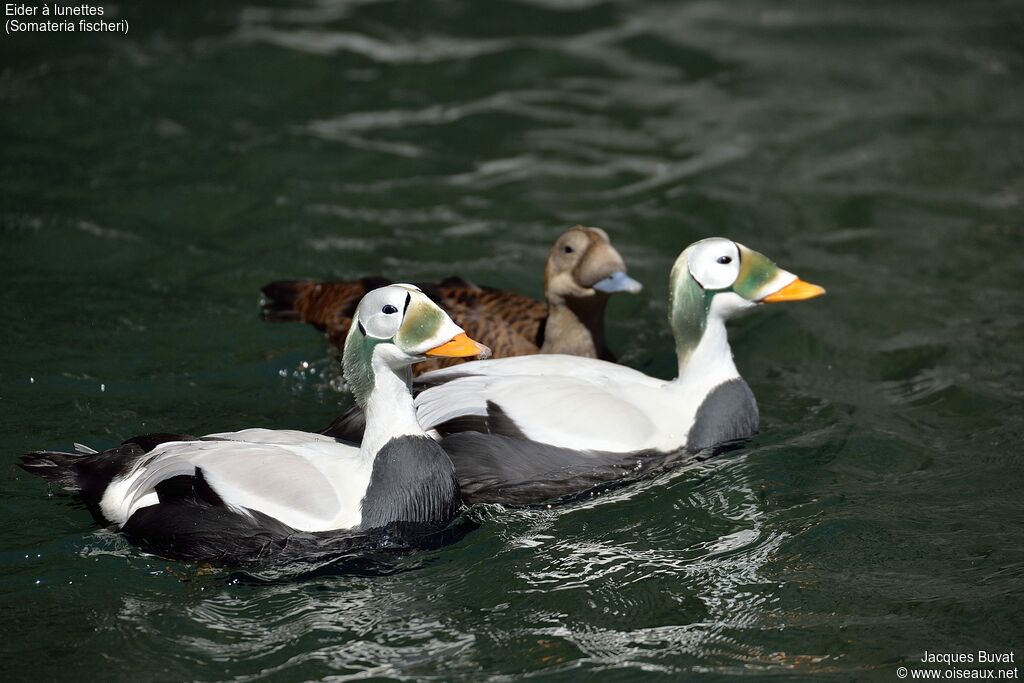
(239,497)
(534,428)
(582,269)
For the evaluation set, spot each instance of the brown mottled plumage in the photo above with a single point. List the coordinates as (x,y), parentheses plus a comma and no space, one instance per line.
(572,320)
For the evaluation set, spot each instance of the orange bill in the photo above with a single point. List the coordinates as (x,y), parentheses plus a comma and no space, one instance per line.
(797,290)
(460,346)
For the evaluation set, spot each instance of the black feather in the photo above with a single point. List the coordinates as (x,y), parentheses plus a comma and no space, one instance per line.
(87,475)
(496,421)
(494,468)
(53,466)
(423,383)
(412,481)
(188,487)
(199,531)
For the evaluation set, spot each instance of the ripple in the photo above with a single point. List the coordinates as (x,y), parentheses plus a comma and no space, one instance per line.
(428,49)
(872,147)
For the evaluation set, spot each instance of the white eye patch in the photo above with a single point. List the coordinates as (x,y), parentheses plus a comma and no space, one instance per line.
(715,263)
(381,311)
(382,326)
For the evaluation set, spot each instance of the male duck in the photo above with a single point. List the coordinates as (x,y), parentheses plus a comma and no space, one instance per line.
(582,269)
(532,428)
(234,497)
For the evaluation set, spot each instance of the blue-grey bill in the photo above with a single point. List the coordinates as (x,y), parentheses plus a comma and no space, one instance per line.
(618,282)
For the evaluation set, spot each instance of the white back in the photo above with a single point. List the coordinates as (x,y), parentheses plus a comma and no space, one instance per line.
(566,401)
(307,481)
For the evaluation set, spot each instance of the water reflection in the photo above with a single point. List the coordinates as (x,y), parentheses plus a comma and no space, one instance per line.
(551,582)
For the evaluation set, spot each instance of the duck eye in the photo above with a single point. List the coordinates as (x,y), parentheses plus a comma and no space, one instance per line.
(724,259)
(389,309)
(568,249)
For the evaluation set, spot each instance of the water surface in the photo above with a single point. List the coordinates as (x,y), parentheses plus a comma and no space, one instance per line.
(152,182)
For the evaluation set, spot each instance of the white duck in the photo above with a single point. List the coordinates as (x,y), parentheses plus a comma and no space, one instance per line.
(233,497)
(548,425)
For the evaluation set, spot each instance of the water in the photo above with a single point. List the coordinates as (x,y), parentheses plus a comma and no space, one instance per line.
(152,182)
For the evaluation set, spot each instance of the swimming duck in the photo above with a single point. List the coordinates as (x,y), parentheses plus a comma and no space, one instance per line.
(582,269)
(234,497)
(532,428)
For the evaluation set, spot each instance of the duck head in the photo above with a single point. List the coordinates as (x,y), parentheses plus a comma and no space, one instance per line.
(583,263)
(395,327)
(716,279)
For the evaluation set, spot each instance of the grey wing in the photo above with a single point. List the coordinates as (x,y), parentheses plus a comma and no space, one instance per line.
(494,468)
(728,413)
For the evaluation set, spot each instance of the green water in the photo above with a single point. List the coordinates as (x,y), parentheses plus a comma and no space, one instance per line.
(152,182)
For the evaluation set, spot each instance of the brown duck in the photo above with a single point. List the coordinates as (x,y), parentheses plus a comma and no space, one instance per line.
(582,269)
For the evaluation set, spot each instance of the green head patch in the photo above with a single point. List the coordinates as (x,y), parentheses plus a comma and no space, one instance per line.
(756,270)
(404,318)
(423,320)
(688,307)
(357,362)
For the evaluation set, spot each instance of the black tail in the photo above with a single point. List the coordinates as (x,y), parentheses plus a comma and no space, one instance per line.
(53,466)
(89,474)
(280,299)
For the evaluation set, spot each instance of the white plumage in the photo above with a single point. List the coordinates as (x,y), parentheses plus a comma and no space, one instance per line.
(195,489)
(591,405)
(307,481)
(567,401)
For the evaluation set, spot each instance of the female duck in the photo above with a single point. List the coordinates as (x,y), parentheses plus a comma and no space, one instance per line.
(237,496)
(582,269)
(551,425)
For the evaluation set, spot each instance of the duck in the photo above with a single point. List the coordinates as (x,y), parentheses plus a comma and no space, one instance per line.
(535,428)
(246,496)
(582,270)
